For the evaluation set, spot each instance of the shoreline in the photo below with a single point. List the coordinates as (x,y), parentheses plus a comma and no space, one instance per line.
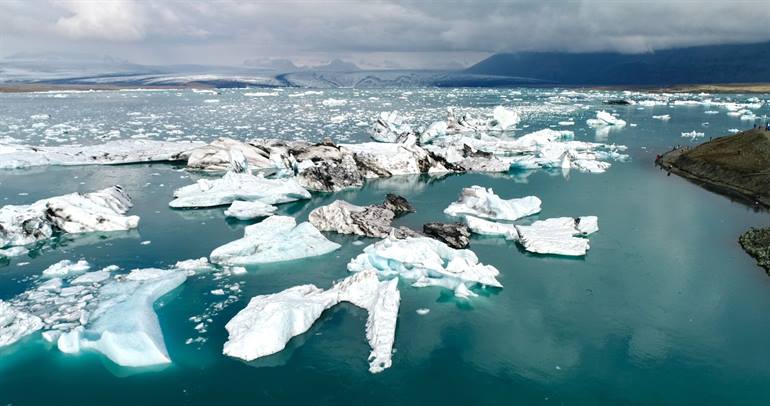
(667,162)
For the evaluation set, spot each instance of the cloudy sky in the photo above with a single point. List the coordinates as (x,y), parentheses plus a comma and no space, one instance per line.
(387,33)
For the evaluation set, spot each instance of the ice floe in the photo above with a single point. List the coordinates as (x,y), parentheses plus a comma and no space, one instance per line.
(268,322)
(558,236)
(103,210)
(426,262)
(481,202)
(275,239)
(243,210)
(238,186)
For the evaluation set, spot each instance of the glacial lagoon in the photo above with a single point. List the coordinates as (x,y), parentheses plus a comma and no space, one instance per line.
(665,307)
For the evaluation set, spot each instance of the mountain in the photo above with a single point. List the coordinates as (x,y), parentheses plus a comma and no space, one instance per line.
(743,63)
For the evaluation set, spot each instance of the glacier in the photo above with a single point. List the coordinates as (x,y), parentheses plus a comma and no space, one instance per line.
(268,322)
(275,239)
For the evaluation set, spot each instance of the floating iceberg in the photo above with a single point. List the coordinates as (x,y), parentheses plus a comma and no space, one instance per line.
(102,210)
(66,267)
(604,118)
(109,153)
(97,311)
(392,127)
(484,203)
(275,239)
(268,322)
(382,160)
(16,324)
(370,221)
(217,156)
(238,186)
(491,228)
(427,262)
(249,210)
(558,236)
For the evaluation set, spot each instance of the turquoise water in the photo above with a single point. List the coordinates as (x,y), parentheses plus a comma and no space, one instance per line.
(665,309)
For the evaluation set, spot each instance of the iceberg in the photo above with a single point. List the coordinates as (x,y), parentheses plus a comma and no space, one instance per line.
(392,127)
(491,228)
(238,186)
(484,203)
(504,119)
(370,221)
(103,210)
(66,267)
(426,262)
(249,210)
(558,236)
(604,118)
(218,156)
(382,160)
(110,153)
(16,324)
(275,239)
(268,322)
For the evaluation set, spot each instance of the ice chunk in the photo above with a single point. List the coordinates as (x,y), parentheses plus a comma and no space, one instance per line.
(392,127)
(662,117)
(504,119)
(268,322)
(124,326)
(66,267)
(249,210)
(238,186)
(16,324)
(558,236)
(102,210)
(381,160)
(109,153)
(347,218)
(484,203)
(275,239)
(427,262)
(604,118)
(218,156)
(493,228)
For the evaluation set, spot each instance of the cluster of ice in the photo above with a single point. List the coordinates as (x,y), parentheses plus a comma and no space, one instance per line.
(268,322)
(109,153)
(243,210)
(480,202)
(426,262)
(558,236)
(16,324)
(275,239)
(103,210)
(238,186)
(99,311)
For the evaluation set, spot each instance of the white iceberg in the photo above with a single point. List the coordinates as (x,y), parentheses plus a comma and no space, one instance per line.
(491,228)
(16,324)
(110,153)
(426,262)
(275,239)
(558,236)
(268,322)
(238,186)
(66,267)
(243,210)
(103,210)
(484,203)
(604,118)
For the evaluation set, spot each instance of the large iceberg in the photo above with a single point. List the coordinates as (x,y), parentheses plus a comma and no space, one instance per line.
(484,203)
(238,186)
(371,221)
(392,127)
(99,311)
(268,322)
(275,239)
(109,153)
(103,210)
(426,262)
(558,236)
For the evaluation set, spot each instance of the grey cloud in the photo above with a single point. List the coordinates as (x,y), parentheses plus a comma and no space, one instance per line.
(230,31)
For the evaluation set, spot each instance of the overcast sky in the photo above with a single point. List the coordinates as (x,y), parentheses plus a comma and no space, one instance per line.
(385,33)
